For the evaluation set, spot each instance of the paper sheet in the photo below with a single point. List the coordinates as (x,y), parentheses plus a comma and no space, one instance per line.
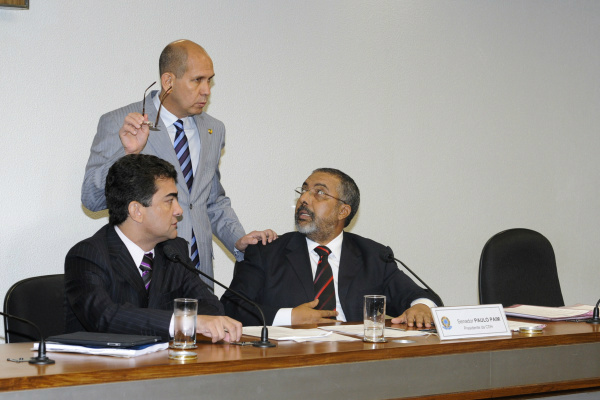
(297,335)
(359,331)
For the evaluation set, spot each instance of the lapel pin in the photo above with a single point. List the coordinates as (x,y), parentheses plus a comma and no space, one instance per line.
(210,131)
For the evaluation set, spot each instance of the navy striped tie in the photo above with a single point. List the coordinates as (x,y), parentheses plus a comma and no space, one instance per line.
(146,268)
(324,288)
(182,150)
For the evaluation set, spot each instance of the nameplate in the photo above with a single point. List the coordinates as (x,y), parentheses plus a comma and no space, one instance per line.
(470,322)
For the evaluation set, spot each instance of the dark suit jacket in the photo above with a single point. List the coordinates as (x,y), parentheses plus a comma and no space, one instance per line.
(104,291)
(279,275)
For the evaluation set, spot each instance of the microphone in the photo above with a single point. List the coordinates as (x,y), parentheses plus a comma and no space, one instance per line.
(595,318)
(389,257)
(174,256)
(41,358)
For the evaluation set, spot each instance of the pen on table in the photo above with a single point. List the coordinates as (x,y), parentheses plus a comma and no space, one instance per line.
(396,329)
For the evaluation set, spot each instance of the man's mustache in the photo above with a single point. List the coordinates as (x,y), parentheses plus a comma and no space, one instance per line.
(304,209)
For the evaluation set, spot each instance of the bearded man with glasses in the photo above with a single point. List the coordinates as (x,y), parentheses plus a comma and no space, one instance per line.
(321,272)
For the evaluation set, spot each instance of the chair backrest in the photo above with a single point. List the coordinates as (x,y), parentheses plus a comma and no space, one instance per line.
(40,300)
(518,266)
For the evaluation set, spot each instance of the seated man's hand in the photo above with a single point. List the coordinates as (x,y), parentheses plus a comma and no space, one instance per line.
(418,315)
(219,328)
(306,314)
(266,236)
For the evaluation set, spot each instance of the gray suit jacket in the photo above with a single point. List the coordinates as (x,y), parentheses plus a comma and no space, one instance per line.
(206,208)
(104,291)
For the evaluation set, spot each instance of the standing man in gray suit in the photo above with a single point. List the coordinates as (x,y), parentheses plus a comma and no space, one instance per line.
(185,136)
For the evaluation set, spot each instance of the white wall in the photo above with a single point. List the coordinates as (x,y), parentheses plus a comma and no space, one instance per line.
(457,120)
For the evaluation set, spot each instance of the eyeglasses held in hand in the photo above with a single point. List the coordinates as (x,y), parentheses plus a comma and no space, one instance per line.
(154,125)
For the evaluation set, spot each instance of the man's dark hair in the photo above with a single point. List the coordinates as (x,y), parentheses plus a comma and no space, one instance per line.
(173,59)
(348,191)
(133,178)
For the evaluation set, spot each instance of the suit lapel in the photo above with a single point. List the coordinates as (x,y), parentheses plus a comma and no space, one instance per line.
(122,263)
(159,141)
(158,274)
(350,264)
(297,257)
(200,176)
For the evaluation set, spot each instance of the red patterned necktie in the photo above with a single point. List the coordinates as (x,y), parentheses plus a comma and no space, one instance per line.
(324,288)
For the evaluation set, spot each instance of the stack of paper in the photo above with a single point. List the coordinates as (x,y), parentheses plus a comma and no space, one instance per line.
(579,311)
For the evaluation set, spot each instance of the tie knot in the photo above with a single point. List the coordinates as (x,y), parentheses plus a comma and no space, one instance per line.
(178,125)
(322,251)
(147,261)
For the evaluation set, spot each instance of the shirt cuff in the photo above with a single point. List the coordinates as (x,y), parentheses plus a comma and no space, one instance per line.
(283,317)
(239,256)
(427,302)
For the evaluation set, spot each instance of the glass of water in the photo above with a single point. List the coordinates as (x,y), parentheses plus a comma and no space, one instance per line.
(374,318)
(184,338)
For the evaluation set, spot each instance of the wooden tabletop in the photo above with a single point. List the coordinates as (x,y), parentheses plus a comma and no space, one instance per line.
(77,369)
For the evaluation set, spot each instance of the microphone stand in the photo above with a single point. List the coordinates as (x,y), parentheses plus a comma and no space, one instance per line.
(390,258)
(172,255)
(41,358)
(595,318)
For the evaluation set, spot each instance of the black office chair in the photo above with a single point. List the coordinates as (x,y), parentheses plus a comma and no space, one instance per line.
(518,266)
(40,300)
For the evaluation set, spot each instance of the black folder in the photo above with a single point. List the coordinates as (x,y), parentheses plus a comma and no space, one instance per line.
(97,339)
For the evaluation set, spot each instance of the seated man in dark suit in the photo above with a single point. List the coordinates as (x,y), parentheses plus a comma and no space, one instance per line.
(321,271)
(119,280)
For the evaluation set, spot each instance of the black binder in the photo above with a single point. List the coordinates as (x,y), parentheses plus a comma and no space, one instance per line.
(97,339)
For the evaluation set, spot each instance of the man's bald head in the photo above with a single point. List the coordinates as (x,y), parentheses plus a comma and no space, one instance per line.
(174,57)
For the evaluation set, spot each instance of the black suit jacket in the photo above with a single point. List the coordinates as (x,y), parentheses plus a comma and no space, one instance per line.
(105,293)
(279,275)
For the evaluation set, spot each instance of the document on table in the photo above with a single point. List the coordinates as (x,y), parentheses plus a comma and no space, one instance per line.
(579,311)
(359,329)
(105,351)
(297,335)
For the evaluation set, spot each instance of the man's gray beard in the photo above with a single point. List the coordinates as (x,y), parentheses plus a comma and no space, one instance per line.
(306,229)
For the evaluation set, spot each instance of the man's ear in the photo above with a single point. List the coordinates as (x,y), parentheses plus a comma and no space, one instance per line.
(344,211)
(136,211)
(166,80)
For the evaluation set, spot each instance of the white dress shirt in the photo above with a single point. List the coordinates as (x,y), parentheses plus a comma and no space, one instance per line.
(136,251)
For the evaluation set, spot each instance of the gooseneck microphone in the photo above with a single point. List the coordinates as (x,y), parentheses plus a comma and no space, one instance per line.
(174,256)
(41,358)
(595,318)
(389,257)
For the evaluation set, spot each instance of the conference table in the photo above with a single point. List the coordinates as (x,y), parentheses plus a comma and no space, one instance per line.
(563,360)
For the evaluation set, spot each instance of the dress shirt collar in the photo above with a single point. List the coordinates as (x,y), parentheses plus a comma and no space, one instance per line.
(335,246)
(136,251)
(169,119)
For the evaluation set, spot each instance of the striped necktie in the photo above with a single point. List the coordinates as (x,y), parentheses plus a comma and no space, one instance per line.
(146,268)
(324,288)
(182,151)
